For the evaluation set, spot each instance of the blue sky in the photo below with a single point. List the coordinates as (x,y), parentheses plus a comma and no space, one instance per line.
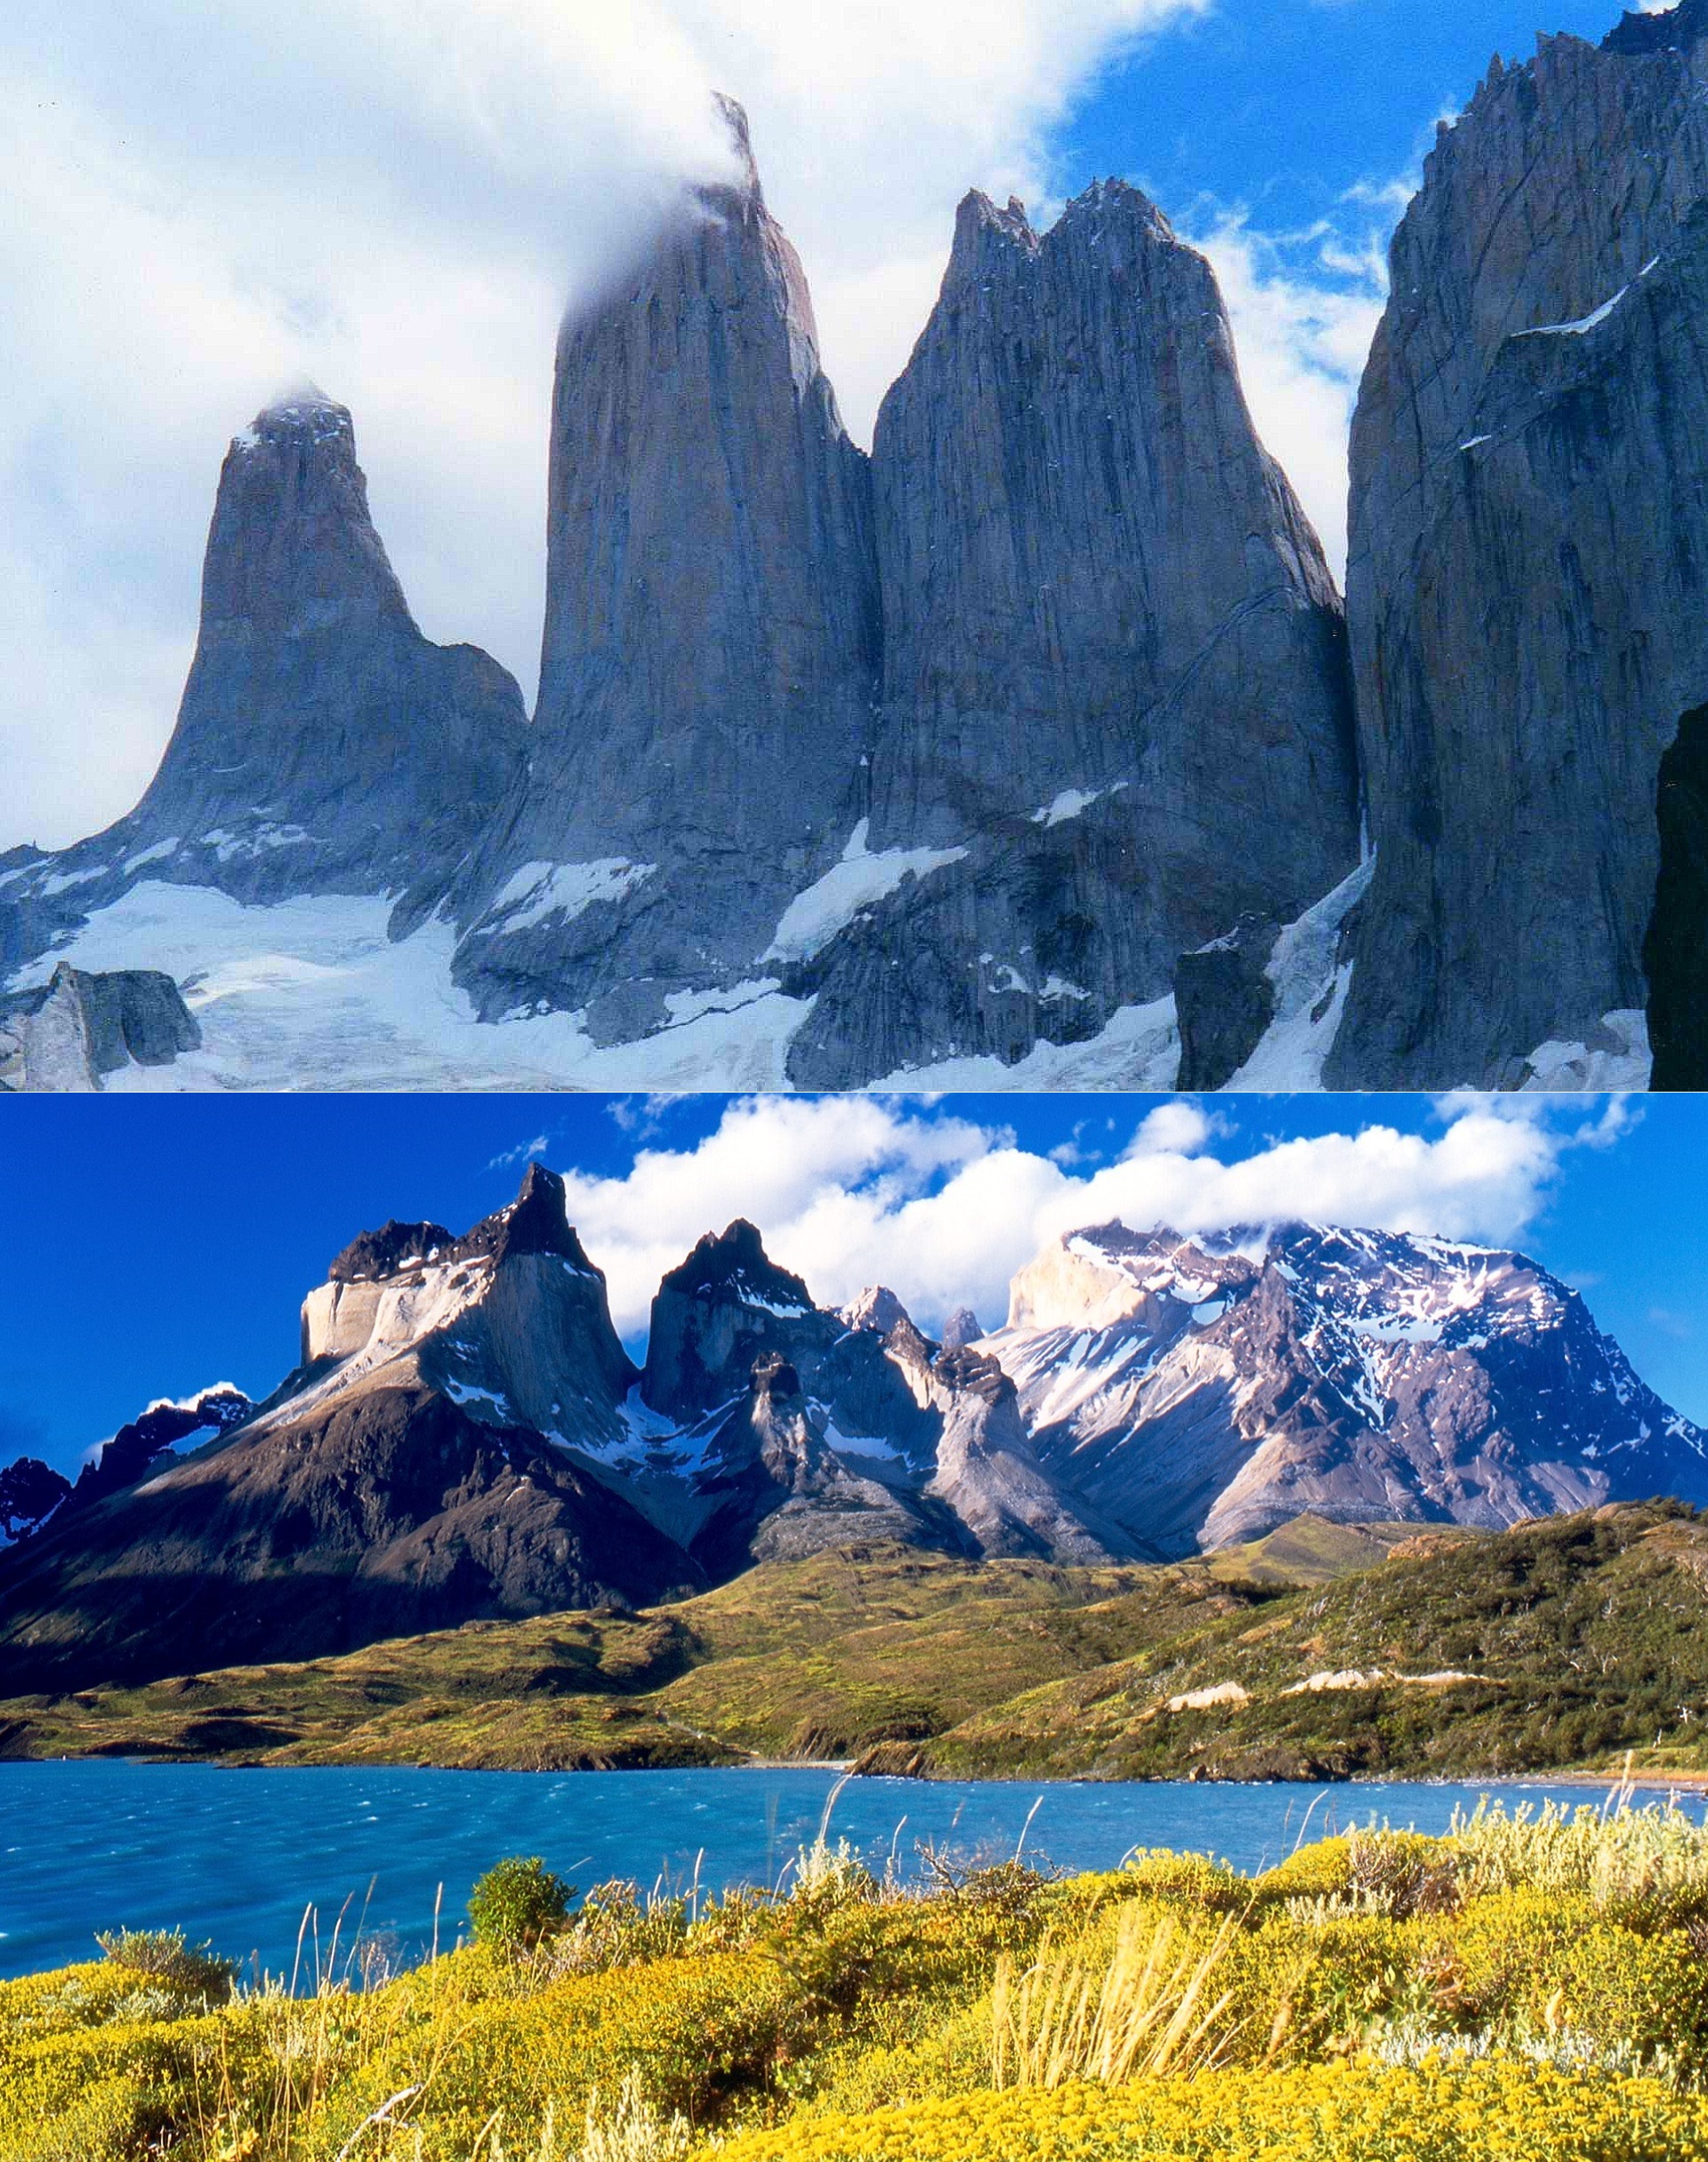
(397,197)
(158,1244)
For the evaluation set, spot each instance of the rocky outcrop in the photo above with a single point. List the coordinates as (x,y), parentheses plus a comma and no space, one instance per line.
(1200,1392)
(1225,998)
(729,1306)
(711,631)
(140,1445)
(1530,558)
(510,1322)
(1675,951)
(989,1476)
(776,1491)
(1116,711)
(30,1491)
(323,744)
(78,1027)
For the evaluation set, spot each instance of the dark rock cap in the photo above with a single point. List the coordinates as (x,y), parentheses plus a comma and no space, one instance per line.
(732,1261)
(1676,31)
(381,1253)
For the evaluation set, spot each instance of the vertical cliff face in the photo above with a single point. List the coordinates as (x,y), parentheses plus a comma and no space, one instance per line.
(1116,703)
(1530,557)
(712,629)
(323,744)
(322,738)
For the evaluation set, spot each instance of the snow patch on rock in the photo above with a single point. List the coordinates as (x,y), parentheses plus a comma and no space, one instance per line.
(1617,1058)
(1311,995)
(542,890)
(1138,1049)
(310,993)
(861,879)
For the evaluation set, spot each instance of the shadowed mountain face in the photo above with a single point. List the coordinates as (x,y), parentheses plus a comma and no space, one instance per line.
(1527,590)
(417,1472)
(391,1513)
(466,1435)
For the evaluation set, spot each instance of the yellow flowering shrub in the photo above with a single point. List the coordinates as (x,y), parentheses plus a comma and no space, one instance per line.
(1517,1992)
(1488,2112)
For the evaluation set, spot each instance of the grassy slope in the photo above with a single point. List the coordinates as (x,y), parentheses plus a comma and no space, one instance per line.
(1583,1636)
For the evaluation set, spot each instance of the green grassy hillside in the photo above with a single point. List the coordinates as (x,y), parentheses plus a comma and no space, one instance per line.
(1320,1652)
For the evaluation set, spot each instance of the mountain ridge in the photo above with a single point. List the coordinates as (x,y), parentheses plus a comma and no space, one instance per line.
(466,1435)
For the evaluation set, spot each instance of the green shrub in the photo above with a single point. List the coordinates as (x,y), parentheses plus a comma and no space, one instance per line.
(518,1903)
(172,1977)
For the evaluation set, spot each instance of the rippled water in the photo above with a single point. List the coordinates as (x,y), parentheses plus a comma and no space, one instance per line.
(238,1856)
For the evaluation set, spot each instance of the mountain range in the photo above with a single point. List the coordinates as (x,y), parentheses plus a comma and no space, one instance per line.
(1036,747)
(466,1436)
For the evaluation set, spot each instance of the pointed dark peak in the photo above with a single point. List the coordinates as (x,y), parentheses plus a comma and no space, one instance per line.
(876,1308)
(961,1329)
(976,1374)
(124,1459)
(30,1491)
(1111,206)
(302,415)
(373,1256)
(734,1263)
(985,235)
(536,1222)
(746,188)
(1676,31)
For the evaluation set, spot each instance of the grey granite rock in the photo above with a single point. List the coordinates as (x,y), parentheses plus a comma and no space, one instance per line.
(1675,952)
(1115,675)
(323,744)
(1528,583)
(989,1475)
(81,1026)
(712,628)
(1225,1001)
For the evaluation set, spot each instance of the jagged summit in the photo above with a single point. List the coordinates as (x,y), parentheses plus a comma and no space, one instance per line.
(1675,30)
(734,1262)
(301,409)
(323,744)
(711,639)
(1115,712)
(747,189)
(372,1254)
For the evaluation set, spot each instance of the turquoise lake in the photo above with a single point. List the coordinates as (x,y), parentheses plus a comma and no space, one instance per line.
(238,1857)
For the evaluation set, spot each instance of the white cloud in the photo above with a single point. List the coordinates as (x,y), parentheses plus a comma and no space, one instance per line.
(395,197)
(1304,308)
(852,1191)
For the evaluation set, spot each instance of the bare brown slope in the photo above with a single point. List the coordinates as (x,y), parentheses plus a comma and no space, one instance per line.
(390,1513)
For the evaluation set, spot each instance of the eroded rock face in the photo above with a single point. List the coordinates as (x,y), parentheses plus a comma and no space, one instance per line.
(729,1306)
(989,1475)
(777,1491)
(323,744)
(1116,700)
(510,1322)
(1530,558)
(711,630)
(1675,952)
